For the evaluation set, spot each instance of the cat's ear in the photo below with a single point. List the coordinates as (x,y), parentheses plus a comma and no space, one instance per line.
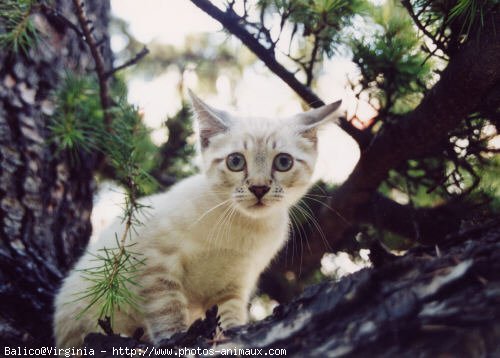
(211,121)
(308,122)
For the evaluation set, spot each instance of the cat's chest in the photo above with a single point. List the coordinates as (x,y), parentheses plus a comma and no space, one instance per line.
(213,269)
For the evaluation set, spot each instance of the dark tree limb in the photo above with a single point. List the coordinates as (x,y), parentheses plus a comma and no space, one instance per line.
(458,93)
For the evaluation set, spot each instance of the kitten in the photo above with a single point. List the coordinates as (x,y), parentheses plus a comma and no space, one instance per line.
(207,239)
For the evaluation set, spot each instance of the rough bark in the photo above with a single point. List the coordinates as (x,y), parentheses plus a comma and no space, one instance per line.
(45,197)
(432,302)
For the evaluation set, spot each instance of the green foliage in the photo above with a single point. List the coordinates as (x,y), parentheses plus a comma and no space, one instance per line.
(17,31)
(125,146)
(111,279)
(470,12)
(77,124)
(394,68)
(78,127)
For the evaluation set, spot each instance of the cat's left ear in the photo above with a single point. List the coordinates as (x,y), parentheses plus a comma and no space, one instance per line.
(212,121)
(309,121)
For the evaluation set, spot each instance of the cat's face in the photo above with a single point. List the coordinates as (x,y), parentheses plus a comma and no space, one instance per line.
(259,165)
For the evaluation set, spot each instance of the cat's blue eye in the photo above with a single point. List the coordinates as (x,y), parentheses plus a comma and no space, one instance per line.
(283,162)
(236,162)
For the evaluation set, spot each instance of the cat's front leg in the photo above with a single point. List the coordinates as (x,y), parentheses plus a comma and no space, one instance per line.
(233,312)
(166,308)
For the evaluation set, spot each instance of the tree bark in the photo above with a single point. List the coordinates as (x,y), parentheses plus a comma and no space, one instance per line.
(429,303)
(45,197)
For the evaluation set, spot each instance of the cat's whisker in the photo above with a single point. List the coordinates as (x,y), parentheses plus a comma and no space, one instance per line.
(212,233)
(210,210)
(318,195)
(320,187)
(220,224)
(302,236)
(308,213)
(302,212)
(330,208)
(232,215)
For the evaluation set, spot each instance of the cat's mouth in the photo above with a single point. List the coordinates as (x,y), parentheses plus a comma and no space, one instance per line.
(259,204)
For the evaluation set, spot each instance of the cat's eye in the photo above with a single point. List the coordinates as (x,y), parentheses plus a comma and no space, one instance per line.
(236,162)
(283,162)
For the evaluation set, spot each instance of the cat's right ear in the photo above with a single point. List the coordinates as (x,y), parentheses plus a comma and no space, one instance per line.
(211,121)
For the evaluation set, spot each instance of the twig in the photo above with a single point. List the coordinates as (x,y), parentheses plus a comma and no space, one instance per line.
(51,13)
(99,62)
(128,63)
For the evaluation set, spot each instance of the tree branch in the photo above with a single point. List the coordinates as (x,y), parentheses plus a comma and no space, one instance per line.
(99,62)
(231,22)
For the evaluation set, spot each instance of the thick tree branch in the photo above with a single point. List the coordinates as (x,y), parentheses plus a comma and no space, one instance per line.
(420,305)
(468,79)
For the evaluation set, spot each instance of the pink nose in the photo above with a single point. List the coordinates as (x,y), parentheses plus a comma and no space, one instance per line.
(259,190)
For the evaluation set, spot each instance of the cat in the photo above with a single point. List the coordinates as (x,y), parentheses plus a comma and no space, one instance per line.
(207,239)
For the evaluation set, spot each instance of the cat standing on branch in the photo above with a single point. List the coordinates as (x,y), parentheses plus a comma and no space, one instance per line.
(207,240)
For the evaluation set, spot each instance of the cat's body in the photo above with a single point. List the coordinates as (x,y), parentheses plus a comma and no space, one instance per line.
(207,240)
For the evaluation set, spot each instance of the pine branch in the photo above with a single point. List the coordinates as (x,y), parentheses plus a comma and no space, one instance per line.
(110,280)
(18,32)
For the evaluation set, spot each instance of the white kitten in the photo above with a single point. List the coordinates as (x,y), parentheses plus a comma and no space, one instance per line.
(207,239)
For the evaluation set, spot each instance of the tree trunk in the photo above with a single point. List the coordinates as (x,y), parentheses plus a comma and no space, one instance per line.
(45,198)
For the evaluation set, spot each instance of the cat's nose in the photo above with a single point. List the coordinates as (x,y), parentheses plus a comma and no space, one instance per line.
(259,190)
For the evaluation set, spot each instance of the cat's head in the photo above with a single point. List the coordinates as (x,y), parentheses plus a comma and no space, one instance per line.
(259,164)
